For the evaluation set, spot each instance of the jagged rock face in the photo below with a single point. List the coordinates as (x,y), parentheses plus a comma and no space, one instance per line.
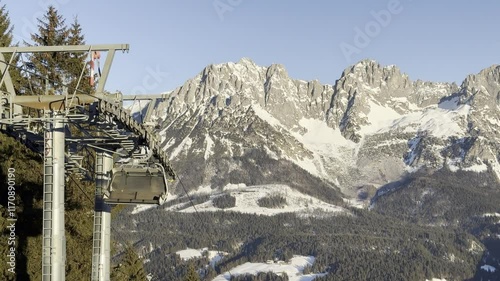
(482,93)
(228,87)
(368,84)
(234,123)
(243,123)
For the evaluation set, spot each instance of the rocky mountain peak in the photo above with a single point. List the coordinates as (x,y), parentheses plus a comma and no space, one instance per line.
(247,62)
(482,88)
(372,74)
(341,134)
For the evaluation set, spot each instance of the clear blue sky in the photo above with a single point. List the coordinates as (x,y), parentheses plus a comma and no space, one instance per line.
(429,40)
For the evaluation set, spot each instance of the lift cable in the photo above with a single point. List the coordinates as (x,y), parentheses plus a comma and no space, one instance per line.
(120,237)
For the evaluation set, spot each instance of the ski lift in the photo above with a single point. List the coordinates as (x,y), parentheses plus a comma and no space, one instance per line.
(142,183)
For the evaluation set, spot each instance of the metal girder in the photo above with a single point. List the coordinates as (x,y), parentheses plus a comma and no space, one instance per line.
(65,48)
(105,71)
(152,98)
(16,110)
(52,102)
(144,97)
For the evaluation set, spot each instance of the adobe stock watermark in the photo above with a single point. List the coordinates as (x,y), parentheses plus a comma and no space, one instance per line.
(151,81)
(30,25)
(223,6)
(364,36)
(11,220)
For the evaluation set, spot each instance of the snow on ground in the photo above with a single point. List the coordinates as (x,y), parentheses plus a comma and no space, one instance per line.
(170,142)
(435,279)
(209,146)
(189,254)
(141,208)
(320,139)
(493,121)
(266,116)
(379,117)
(488,268)
(294,268)
(213,256)
(438,122)
(138,109)
(311,165)
(271,153)
(201,190)
(478,168)
(324,142)
(356,203)
(453,164)
(496,169)
(491,215)
(247,201)
(184,145)
(321,135)
(327,143)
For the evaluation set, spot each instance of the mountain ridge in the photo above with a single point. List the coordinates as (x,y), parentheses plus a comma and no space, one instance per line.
(275,165)
(337,133)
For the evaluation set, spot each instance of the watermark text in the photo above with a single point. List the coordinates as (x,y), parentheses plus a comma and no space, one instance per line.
(363,36)
(11,220)
(223,6)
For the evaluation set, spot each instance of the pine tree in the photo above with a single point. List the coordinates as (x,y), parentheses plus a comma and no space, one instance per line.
(131,267)
(6,41)
(5,28)
(76,62)
(50,67)
(192,275)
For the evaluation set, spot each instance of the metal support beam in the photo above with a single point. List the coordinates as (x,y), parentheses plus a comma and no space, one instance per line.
(16,109)
(144,97)
(54,239)
(101,249)
(105,72)
(149,111)
(65,48)
(52,102)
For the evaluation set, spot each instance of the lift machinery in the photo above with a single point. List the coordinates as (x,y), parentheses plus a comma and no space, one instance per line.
(106,128)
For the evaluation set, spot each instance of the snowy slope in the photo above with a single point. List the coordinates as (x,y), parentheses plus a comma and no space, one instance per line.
(213,256)
(294,268)
(248,196)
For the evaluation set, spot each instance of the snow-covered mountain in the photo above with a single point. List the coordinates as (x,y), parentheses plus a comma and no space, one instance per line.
(240,123)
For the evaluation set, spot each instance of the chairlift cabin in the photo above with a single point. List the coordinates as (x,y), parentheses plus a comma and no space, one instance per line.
(143,183)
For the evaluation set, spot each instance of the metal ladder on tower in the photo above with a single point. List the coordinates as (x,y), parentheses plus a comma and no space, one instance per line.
(48,204)
(101,251)
(96,241)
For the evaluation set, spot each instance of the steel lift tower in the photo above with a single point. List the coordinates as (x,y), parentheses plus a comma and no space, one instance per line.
(107,128)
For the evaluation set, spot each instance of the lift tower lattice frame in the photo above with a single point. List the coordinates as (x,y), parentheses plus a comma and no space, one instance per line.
(57,114)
